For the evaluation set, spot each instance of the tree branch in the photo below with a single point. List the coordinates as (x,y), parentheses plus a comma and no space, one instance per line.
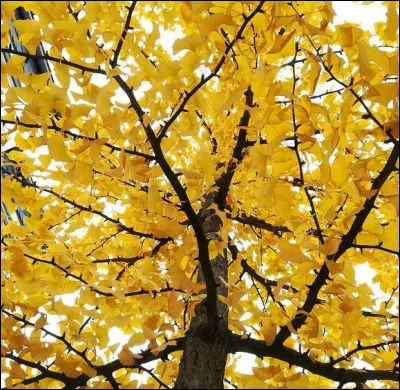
(150,372)
(203,81)
(78,136)
(213,139)
(296,149)
(259,223)
(146,357)
(346,243)
(87,209)
(362,348)
(280,352)
(53,59)
(202,241)
(238,154)
(72,383)
(347,86)
(379,247)
(114,61)
(55,336)
(28,381)
(94,289)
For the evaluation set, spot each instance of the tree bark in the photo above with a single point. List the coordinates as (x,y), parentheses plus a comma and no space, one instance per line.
(205,350)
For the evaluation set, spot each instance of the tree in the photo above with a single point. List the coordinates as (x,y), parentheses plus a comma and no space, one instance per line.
(206,198)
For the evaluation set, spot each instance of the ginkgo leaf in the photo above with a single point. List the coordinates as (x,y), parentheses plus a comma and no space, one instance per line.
(331,246)
(148,122)
(263,373)
(334,267)
(392,23)
(280,42)
(19,264)
(82,172)
(16,371)
(161,348)
(292,252)
(57,148)
(268,330)
(126,356)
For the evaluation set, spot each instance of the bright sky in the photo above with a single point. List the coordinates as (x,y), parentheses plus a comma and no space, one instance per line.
(355,12)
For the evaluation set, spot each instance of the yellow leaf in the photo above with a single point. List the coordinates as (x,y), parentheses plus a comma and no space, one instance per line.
(280,41)
(89,371)
(19,264)
(239,326)
(213,23)
(315,71)
(264,373)
(30,286)
(348,34)
(291,252)
(95,149)
(126,356)
(347,305)
(161,348)
(189,42)
(268,330)
(83,173)
(57,148)
(350,324)
(364,295)
(392,22)
(334,267)
(191,174)
(167,327)
(16,371)
(392,126)
(340,170)
(331,246)
(40,351)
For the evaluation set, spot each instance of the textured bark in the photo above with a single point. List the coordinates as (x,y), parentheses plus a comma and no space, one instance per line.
(204,355)
(205,350)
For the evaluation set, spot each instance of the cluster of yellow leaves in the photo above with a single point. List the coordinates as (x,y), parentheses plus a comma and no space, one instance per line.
(85,148)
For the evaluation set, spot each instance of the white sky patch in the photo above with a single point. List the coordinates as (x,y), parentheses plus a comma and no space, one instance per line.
(355,12)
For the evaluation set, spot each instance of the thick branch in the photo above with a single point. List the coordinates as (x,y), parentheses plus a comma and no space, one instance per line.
(259,223)
(260,349)
(238,154)
(72,383)
(147,356)
(202,242)
(346,243)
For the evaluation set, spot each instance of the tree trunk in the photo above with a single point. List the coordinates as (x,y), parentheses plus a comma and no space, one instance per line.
(204,352)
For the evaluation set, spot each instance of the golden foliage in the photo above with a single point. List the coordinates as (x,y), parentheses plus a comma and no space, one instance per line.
(118,147)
